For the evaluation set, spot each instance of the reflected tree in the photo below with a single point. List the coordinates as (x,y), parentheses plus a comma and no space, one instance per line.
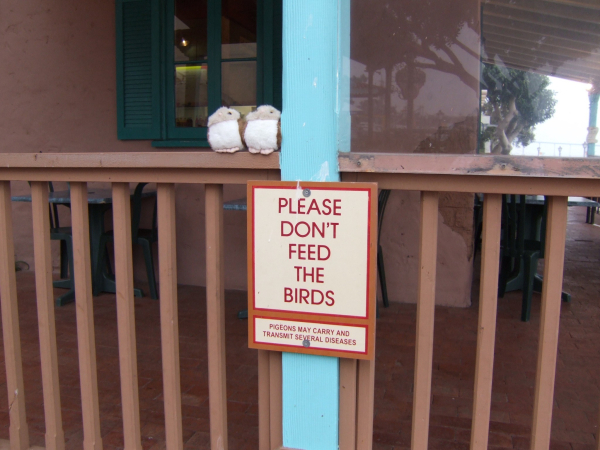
(516,101)
(420,34)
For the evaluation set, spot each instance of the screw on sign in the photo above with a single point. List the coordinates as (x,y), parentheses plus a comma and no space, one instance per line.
(312,267)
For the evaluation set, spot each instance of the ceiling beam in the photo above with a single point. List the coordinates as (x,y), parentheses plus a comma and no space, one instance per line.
(542,33)
(593,4)
(547,25)
(522,64)
(545,8)
(553,60)
(508,39)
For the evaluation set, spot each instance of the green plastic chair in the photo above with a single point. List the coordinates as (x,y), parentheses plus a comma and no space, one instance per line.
(65,236)
(518,252)
(140,236)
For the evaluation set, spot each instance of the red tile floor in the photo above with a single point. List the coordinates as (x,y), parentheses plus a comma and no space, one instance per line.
(577,393)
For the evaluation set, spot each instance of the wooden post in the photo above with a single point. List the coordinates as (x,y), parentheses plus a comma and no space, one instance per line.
(18,432)
(126,316)
(556,232)
(311,123)
(425,319)
(215,314)
(55,437)
(169,319)
(486,332)
(348,377)
(86,341)
(264,401)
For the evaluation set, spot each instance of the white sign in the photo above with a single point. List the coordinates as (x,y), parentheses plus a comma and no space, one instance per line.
(312,252)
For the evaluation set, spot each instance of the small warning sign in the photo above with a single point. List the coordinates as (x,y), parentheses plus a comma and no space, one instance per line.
(312,267)
(293,333)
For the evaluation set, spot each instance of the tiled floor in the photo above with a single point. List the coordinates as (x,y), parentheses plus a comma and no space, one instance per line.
(577,393)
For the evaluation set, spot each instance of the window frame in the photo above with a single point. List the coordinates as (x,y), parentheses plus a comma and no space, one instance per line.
(181,136)
(145,68)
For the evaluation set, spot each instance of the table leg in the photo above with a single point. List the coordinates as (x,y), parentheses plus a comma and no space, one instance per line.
(96,229)
(516,282)
(66,298)
(62,284)
(102,282)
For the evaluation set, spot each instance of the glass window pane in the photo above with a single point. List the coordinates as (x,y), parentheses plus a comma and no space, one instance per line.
(491,76)
(540,77)
(239,85)
(190,30)
(191,96)
(414,76)
(238,29)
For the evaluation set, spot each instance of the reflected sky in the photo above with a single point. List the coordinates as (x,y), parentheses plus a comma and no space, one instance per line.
(567,126)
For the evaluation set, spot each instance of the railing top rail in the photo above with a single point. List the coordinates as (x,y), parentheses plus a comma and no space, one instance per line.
(140,160)
(493,165)
(388,163)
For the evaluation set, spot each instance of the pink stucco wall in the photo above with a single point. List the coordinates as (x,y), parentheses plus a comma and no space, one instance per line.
(57,94)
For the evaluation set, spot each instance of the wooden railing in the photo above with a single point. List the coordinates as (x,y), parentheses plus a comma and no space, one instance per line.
(492,176)
(429,174)
(165,169)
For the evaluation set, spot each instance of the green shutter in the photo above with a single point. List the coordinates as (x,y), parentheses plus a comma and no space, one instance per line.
(138,69)
(269,53)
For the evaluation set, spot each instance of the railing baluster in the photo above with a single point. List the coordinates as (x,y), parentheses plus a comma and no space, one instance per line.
(126,316)
(264,441)
(215,316)
(86,343)
(549,322)
(55,439)
(425,319)
(486,331)
(348,375)
(276,400)
(169,320)
(19,434)
(365,405)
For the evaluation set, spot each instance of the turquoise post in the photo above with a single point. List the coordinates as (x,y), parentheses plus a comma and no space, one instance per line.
(594,96)
(315,109)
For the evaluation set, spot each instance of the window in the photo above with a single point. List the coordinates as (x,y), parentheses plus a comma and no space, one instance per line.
(180,60)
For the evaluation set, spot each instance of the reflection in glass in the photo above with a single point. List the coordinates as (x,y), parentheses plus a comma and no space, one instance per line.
(190,30)
(418,83)
(191,96)
(415,76)
(239,85)
(238,29)
(541,69)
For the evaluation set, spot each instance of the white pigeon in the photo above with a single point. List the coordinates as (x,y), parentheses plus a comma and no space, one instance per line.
(224,130)
(263,130)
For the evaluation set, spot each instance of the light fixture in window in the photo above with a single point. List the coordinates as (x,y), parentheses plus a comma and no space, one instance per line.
(184,43)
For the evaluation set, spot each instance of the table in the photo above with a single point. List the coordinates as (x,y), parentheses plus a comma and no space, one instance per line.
(99,201)
(572,201)
(236,205)
(533,224)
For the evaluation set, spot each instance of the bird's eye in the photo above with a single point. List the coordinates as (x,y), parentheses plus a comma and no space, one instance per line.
(229,113)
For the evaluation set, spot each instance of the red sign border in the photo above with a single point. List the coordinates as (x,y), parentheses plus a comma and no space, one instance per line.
(368,321)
